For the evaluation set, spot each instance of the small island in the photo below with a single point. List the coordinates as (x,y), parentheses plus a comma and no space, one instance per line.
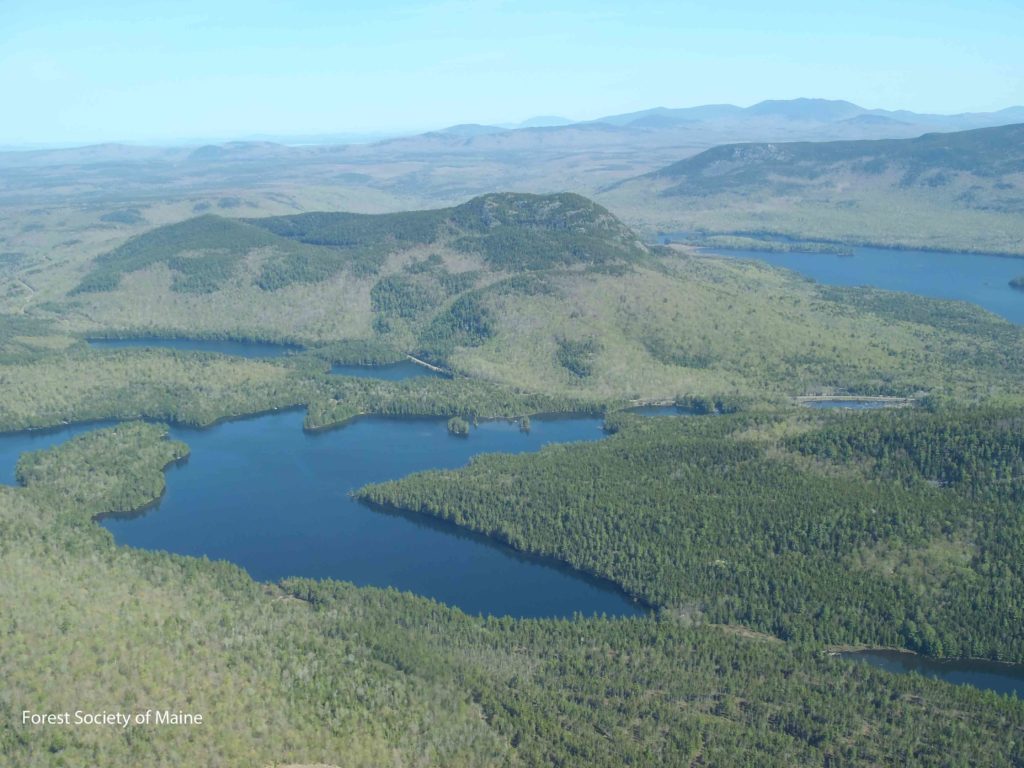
(458,427)
(1018,283)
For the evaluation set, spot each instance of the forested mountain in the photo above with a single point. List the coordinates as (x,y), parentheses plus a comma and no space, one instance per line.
(510,232)
(989,155)
(946,191)
(545,293)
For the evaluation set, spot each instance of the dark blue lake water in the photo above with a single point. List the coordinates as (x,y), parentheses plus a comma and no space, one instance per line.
(236,348)
(274,499)
(987,675)
(981,280)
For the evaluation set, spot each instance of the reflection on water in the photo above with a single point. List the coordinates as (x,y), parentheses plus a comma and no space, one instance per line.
(274,499)
(987,675)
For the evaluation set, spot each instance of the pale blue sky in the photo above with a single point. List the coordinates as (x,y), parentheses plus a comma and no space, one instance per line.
(109,70)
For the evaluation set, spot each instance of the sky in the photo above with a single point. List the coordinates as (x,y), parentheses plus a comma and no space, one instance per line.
(92,71)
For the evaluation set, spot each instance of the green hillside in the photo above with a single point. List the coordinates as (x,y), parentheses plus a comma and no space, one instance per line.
(548,294)
(508,231)
(945,191)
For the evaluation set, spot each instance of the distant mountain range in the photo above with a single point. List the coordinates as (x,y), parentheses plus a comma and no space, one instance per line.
(812,111)
(962,190)
(808,112)
(985,155)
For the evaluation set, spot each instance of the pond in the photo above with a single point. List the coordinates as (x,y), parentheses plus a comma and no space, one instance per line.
(979,279)
(987,675)
(274,499)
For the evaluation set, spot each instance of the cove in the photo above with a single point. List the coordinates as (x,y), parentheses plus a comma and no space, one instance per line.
(274,499)
(979,279)
(987,675)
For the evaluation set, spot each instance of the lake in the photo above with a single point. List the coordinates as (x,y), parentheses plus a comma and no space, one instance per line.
(987,675)
(981,280)
(274,499)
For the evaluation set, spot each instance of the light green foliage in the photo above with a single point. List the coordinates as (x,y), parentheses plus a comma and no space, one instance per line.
(712,326)
(115,470)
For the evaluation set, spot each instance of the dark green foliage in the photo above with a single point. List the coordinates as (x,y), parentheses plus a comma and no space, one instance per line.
(185,244)
(354,241)
(124,216)
(313,264)
(653,692)
(686,512)
(577,355)
(358,352)
(510,231)
(515,231)
(458,426)
(682,352)
(399,296)
(459,282)
(979,451)
(468,322)
(201,274)
(356,230)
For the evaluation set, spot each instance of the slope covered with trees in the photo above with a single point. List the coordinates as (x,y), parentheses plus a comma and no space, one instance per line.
(325,673)
(945,191)
(716,519)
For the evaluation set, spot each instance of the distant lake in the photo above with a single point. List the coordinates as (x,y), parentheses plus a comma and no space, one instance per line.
(987,675)
(274,499)
(251,349)
(981,280)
